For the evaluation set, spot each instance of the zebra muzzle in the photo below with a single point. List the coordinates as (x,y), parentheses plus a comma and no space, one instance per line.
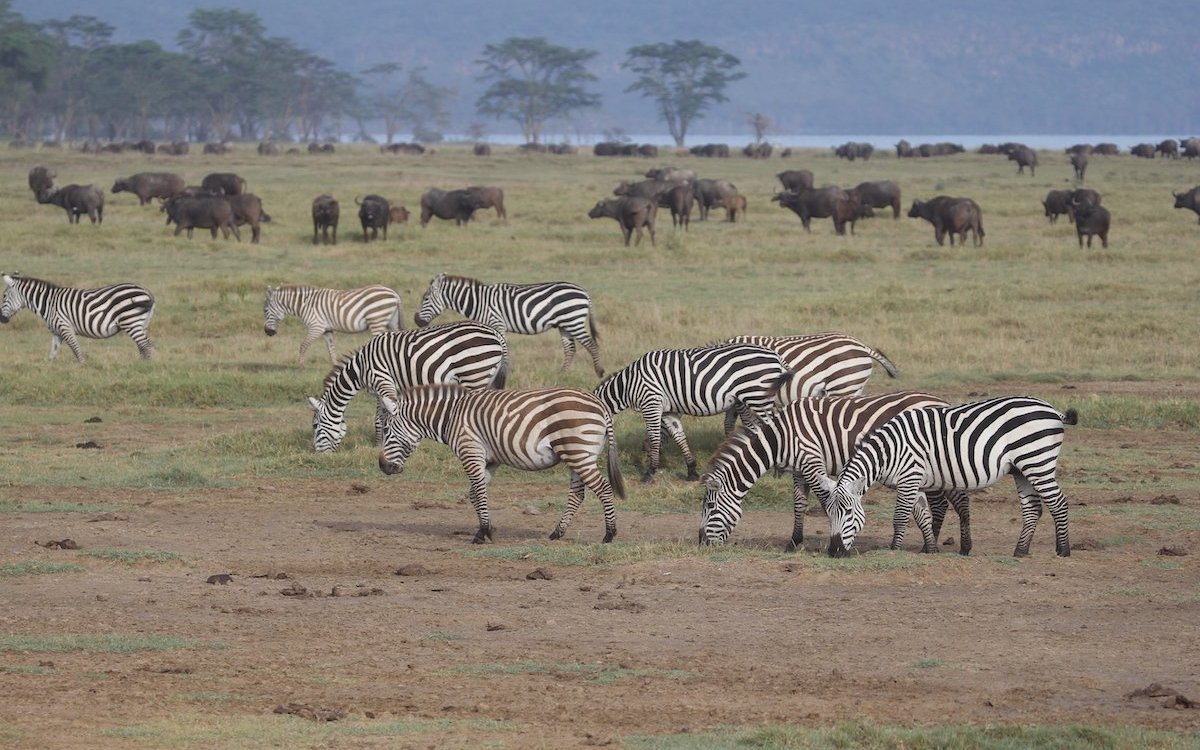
(389,467)
(3,318)
(268,331)
(836,548)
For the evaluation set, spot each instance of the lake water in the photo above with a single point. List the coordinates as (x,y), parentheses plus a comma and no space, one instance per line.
(885,142)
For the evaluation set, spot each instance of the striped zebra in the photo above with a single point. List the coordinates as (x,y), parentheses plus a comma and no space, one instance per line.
(530,430)
(373,308)
(702,381)
(519,308)
(91,313)
(466,353)
(965,447)
(829,363)
(809,438)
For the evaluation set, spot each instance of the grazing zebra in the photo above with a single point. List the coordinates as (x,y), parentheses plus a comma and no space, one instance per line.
(529,430)
(467,353)
(810,438)
(965,447)
(91,313)
(373,308)
(841,364)
(703,381)
(520,308)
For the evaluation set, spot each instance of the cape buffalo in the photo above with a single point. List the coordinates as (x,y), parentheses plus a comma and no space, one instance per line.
(489,197)
(679,199)
(758,150)
(1083,197)
(76,200)
(1079,161)
(1168,148)
(1057,203)
(1080,148)
(201,212)
(266,148)
(1143,150)
(877,195)
(458,205)
(671,174)
(821,203)
(1024,157)
(950,216)
(630,213)
(1106,149)
(904,149)
(41,180)
(226,183)
(374,212)
(218,148)
(1190,199)
(325,212)
(1092,220)
(714,150)
(735,207)
(711,193)
(482,149)
(247,209)
(852,151)
(147,185)
(796,179)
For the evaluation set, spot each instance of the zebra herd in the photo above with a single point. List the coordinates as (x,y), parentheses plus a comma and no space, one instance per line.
(800,399)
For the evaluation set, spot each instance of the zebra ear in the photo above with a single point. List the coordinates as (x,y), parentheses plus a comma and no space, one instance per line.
(711,483)
(8,279)
(389,405)
(818,390)
(826,483)
(314,403)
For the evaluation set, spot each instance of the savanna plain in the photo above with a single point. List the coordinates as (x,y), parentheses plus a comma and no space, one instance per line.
(355,612)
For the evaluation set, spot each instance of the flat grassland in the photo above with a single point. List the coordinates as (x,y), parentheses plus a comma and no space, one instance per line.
(358,596)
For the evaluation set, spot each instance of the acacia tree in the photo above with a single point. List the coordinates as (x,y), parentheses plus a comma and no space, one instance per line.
(417,103)
(533,81)
(26,58)
(684,78)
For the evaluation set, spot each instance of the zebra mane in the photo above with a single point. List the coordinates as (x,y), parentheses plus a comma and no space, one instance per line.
(43,282)
(723,450)
(337,370)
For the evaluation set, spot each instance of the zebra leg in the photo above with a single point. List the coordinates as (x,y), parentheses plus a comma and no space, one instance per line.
(962,506)
(144,344)
(593,350)
(937,506)
(1031,511)
(921,516)
(574,500)
(675,427)
(568,345)
(310,335)
(1047,488)
(589,476)
(799,508)
(654,427)
(67,336)
(479,472)
(906,500)
(329,346)
(731,416)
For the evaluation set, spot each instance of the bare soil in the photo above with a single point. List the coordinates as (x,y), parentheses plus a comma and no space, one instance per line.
(315,620)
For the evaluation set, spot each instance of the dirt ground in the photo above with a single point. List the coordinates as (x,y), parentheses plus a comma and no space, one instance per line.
(594,653)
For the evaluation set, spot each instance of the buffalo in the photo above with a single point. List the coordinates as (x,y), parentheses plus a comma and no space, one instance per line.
(402,148)
(218,148)
(1080,148)
(904,149)
(177,148)
(650,189)
(1106,149)
(796,179)
(147,185)
(679,200)
(247,209)
(225,183)
(713,150)
(1168,148)
(76,200)
(1190,199)
(631,213)
(1092,220)
(820,203)
(950,216)
(711,193)
(1080,162)
(266,148)
(210,212)
(671,174)
(397,214)
(1191,147)
(607,148)
(1083,197)
(458,205)
(758,150)
(482,149)
(563,149)
(1057,203)
(489,197)
(852,151)
(877,195)
(325,213)
(1143,150)
(648,150)
(1024,157)
(41,180)
(735,207)
(374,212)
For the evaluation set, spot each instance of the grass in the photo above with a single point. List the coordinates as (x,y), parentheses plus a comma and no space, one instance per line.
(131,556)
(595,673)
(37,568)
(37,506)
(928,663)
(99,644)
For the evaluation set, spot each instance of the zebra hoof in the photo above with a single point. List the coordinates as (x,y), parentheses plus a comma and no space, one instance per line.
(557,534)
(1064,552)
(648,478)
(692,476)
(1018,552)
(929,549)
(609,535)
(794,545)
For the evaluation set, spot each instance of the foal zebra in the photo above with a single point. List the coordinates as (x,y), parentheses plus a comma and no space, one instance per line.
(965,447)
(520,308)
(467,353)
(703,381)
(529,430)
(91,313)
(373,308)
(809,438)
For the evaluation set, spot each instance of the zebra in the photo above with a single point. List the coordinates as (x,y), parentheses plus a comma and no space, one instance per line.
(467,353)
(92,313)
(703,381)
(531,430)
(810,437)
(375,308)
(520,308)
(965,447)
(829,363)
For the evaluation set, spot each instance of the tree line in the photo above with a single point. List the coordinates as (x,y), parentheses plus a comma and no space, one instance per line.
(229,79)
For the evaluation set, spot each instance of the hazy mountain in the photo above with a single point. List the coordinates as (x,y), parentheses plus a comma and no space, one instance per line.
(924,66)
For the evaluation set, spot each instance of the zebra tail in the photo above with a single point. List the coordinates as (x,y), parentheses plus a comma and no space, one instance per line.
(614,466)
(779,382)
(592,326)
(1071,417)
(501,377)
(881,358)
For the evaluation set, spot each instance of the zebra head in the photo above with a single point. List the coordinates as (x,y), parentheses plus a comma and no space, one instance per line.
(400,438)
(433,302)
(846,514)
(327,433)
(13,301)
(722,509)
(273,311)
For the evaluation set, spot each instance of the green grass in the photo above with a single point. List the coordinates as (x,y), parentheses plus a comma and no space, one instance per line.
(38,506)
(26,669)
(1156,517)
(864,736)
(100,644)
(206,696)
(132,557)
(595,673)
(37,568)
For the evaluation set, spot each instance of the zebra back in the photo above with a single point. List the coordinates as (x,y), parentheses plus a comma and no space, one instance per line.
(841,363)
(520,308)
(343,310)
(95,313)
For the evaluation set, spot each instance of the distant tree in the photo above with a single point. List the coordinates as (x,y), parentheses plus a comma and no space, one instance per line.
(761,125)
(684,78)
(532,81)
(26,58)
(476,131)
(76,40)
(415,103)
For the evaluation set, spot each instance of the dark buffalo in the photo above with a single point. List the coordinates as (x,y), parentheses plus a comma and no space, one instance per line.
(649,189)
(735,207)
(225,183)
(414,149)
(877,195)
(1190,199)
(145,146)
(374,212)
(649,150)
(147,185)
(1092,220)
(533,148)
(796,179)
(458,205)
(950,216)
(1106,149)
(1008,147)
(266,148)
(76,200)
(679,200)
(177,148)
(211,212)
(325,213)
(1080,163)
(711,193)
(1168,148)
(1024,157)
(785,154)
(713,150)
(631,213)
(1143,150)
(1190,147)
(1083,197)
(41,180)
(758,151)
(607,148)
(1058,203)
(904,149)
(247,209)
(1080,148)
(482,149)
(218,148)
(671,174)
(489,197)
(852,150)
(988,148)
(562,149)
(821,203)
